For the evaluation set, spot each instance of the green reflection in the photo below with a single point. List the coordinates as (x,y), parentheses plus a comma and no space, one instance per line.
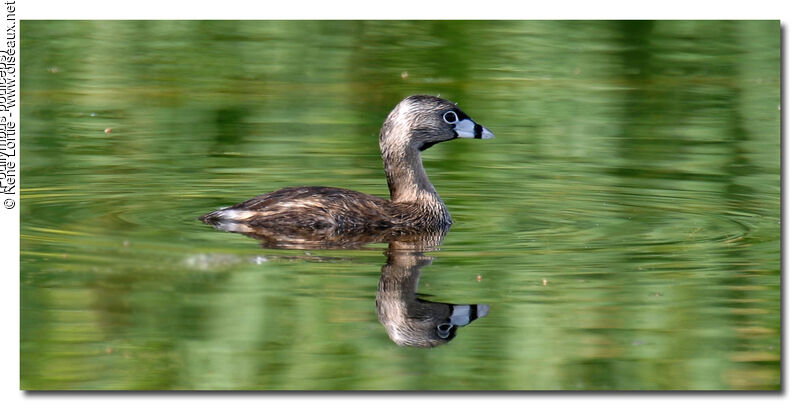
(624,225)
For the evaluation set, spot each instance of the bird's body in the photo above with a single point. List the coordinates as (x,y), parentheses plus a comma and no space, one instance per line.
(415,124)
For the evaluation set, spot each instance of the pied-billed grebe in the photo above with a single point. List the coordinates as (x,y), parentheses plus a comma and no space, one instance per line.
(414,125)
(408,319)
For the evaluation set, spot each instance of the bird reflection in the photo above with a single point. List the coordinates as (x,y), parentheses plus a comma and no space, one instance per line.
(408,319)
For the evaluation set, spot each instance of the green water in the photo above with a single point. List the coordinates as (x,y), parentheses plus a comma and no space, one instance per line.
(623,227)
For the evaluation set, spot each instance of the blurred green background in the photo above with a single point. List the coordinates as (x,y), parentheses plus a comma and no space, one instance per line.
(624,226)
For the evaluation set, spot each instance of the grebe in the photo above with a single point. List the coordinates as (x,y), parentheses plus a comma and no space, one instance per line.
(414,125)
(410,320)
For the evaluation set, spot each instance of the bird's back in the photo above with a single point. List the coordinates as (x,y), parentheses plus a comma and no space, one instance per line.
(312,207)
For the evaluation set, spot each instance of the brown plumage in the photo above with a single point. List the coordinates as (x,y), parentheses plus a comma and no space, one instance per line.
(415,124)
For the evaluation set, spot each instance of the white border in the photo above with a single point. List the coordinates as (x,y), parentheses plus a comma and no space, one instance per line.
(419,9)
(404,9)
(9,227)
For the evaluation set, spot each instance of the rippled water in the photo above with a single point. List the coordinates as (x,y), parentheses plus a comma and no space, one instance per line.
(623,228)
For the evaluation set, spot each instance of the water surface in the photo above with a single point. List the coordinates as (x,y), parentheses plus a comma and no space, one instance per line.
(623,227)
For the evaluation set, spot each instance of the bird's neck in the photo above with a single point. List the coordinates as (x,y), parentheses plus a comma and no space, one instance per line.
(408,182)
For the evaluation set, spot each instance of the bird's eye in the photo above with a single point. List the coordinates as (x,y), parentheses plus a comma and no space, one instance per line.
(450,117)
(443,330)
